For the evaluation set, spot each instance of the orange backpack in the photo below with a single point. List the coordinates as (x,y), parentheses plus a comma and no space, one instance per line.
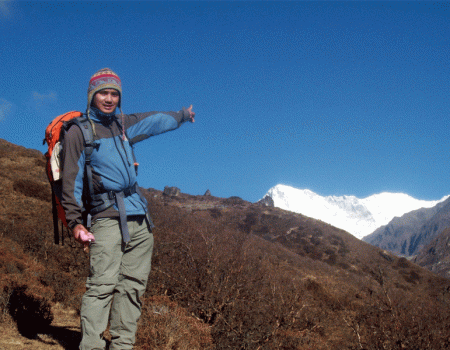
(53,137)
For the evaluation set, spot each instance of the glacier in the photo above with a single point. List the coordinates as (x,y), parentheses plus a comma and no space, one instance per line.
(359,217)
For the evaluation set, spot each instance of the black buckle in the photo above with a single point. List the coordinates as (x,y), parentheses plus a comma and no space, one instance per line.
(126,192)
(129,191)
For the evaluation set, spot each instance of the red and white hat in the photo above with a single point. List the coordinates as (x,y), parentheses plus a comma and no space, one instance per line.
(105,78)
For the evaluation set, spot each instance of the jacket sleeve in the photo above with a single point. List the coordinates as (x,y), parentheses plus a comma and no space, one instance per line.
(141,126)
(73,173)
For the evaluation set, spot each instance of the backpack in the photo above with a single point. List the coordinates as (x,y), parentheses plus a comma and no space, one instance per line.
(54,136)
(95,203)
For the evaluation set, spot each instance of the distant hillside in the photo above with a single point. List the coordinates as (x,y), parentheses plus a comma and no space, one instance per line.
(226,274)
(408,234)
(436,255)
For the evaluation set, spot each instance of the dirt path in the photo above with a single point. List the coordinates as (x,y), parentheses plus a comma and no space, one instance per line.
(63,334)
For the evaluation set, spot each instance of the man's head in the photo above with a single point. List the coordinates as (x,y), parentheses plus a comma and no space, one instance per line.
(106,100)
(105,91)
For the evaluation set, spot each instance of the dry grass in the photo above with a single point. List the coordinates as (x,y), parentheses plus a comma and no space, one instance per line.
(166,325)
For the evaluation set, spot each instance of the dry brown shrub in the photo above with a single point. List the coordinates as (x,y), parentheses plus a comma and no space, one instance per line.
(228,279)
(32,189)
(22,294)
(65,266)
(166,325)
(387,320)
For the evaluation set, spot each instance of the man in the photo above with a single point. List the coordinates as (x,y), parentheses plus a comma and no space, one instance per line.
(120,239)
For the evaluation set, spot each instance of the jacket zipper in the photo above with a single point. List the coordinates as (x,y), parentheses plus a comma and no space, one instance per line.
(122,155)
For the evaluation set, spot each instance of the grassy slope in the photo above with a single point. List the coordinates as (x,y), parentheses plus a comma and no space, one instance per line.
(227,274)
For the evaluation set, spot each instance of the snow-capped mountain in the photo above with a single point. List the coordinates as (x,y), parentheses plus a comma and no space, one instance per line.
(359,217)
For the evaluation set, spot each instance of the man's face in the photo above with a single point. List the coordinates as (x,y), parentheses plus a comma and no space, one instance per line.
(106,100)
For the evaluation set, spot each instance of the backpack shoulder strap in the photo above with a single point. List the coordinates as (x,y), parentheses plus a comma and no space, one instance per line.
(88,136)
(131,142)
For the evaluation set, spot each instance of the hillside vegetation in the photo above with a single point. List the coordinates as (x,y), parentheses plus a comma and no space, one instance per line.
(226,274)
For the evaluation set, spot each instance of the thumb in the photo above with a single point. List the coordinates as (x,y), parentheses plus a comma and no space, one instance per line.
(86,236)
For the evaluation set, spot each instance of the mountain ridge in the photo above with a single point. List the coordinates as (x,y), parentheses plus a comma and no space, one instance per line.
(408,234)
(360,217)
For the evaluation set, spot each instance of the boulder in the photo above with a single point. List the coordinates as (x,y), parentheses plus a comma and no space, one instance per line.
(171,191)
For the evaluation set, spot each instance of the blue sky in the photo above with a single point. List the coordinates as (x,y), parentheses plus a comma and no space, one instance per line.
(342,98)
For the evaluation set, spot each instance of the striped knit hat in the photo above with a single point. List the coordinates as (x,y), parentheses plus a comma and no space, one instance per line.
(104,79)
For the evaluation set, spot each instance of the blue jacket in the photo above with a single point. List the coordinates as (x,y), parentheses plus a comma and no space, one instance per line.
(112,162)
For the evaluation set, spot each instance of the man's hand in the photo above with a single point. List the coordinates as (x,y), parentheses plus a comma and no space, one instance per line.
(82,235)
(191,114)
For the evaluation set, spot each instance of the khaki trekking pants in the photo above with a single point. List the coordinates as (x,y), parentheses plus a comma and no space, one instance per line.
(117,279)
